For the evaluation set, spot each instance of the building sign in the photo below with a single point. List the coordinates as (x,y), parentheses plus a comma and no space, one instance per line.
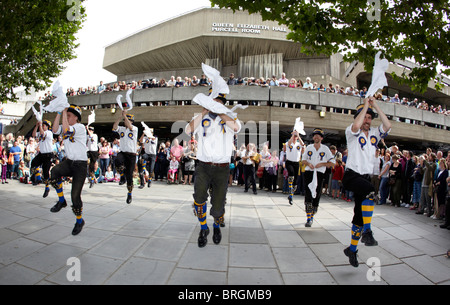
(245,28)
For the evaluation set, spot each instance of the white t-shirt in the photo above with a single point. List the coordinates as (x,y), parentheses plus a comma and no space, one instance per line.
(361,149)
(313,156)
(215,140)
(150,145)
(128,139)
(45,142)
(293,152)
(92,142)
(74,142)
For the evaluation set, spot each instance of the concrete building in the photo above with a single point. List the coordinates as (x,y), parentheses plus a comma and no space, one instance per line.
(247,46)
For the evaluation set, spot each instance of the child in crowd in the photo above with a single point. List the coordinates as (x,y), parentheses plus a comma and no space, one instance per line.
(336,180)
(4,164)
(109,175)
(173,168)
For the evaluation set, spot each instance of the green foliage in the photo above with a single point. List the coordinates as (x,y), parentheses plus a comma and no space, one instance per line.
(405,30)
(36,39)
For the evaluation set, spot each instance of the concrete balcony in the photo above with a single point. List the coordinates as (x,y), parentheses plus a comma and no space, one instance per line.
(268,104)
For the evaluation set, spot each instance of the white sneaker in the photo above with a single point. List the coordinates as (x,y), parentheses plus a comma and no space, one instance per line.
(406,205)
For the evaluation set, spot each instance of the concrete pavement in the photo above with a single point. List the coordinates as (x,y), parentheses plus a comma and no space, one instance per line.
(154,241)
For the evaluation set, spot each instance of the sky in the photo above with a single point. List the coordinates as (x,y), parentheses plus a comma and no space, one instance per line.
(109,21)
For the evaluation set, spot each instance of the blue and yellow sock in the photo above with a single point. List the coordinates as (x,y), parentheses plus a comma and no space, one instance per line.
(37,177)
(201,214)
(59,191)
(356,235)
(79,219)
(367,207)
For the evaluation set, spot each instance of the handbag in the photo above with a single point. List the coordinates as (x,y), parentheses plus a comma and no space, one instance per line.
(11,159)
(392,180)
(260,172)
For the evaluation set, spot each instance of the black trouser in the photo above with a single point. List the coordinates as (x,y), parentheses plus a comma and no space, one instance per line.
(125,164)
(249,174)
(207,175)
(308,196)
(361,187)
(292,168)
(93,156)
(77,170)
(44,160)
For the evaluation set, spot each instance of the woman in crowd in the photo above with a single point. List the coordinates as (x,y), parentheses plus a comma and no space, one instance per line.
(384,179)
(395,180)
(417,184)
(440,189)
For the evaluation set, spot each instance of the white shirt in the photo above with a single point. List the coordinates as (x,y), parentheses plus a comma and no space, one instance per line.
(361,149)
(150,145)
(74,142)
(92,142)
(215,140)
(128,139)
(293,152)
(45,142)
(313,156)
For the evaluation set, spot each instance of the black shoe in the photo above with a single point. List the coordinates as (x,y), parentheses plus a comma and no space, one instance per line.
(290,199)
(91,184)
(141,186)
(149,182)
(58,206)
(217,236)
(129,199)
(352,257)
(444,226)
(255,193)
(46,193)
(77,228)
(202,238)
(367,238)
(309,223)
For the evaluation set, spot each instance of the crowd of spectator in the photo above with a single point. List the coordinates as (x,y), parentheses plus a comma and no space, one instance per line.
(282,81)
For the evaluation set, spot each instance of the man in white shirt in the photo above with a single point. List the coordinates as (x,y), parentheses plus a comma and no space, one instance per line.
(317,157)
(293,153)
(92,152)
(75,164)
(362,141)
(44,157)
(148,157)
(126,158)
(215,134)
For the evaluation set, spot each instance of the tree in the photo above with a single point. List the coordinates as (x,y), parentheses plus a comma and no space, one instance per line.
(406,30)
(36,39)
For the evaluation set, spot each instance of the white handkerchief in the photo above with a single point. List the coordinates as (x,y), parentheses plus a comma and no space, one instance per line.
(299,126)
(60,102)
(378,75)
(313,185)
(91,118)
(119,101)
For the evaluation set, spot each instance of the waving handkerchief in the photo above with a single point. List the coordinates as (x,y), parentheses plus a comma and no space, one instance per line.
(313,185)
(299,126)
(208,103)
(91,117)
(128,98)
(60,102)
(39,114)
(119,101)
(378,75)
(219,85)
(147,130)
